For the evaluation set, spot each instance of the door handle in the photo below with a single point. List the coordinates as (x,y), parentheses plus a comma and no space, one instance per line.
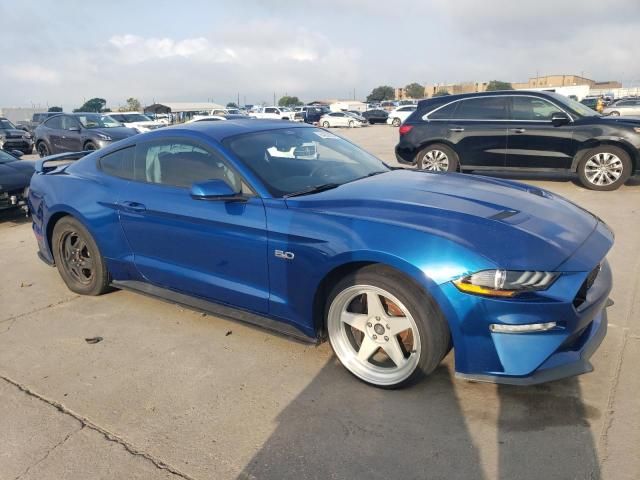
(134,206)
(518,130)
(456,129)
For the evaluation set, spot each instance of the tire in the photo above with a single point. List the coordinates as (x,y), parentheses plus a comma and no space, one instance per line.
(78,258)
(28,151)
(604,168)
(325,124)
(90,147)
(351,124)
(438,157)
(396,122)
(615,113)
(43,149)
(411,327)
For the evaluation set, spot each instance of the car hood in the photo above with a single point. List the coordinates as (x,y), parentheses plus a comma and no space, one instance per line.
(116,133)
(12,131)
(631,120)
(15,175)
(514,225)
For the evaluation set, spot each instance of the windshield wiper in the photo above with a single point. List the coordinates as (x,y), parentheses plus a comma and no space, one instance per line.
(316,189)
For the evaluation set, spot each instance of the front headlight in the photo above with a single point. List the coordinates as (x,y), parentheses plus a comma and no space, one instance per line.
(505,283)
(102,136)
(637,129)
(27,136)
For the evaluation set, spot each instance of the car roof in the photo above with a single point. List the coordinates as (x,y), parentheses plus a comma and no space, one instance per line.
(451,98)
(221,130)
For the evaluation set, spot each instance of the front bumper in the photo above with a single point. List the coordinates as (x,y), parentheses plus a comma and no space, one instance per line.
(22,144)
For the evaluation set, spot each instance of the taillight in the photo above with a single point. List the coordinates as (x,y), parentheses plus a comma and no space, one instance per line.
(404,129)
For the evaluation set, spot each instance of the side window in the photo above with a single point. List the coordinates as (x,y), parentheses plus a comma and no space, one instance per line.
(180,163)
(69,122)
(531,108)
(445,113)
(269,110)
(119,164)
(54,122)
(483,108)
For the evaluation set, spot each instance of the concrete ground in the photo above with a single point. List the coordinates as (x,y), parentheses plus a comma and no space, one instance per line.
(171,393)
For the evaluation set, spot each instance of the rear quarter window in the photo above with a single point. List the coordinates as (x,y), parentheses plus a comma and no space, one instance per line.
(119,163)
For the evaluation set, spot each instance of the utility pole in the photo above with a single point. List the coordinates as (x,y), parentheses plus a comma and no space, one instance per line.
(274,98)
(238,104)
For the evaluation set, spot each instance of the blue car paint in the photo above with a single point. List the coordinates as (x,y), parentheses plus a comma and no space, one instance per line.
(432,227)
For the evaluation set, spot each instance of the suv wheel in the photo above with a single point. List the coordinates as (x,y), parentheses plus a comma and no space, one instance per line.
(43,149)
(437,158)
(604,168)
(90,146)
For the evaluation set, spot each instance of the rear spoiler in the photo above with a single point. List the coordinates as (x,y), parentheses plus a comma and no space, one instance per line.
(57,160)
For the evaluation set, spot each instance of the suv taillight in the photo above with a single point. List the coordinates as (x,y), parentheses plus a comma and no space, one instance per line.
(404,129)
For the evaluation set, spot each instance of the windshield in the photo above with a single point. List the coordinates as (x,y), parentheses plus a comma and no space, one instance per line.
(6,125)
(96,120)
(298,159)
(575,107)
(132,117)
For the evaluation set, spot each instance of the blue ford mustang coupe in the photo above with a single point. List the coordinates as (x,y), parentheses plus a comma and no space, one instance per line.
(298,230)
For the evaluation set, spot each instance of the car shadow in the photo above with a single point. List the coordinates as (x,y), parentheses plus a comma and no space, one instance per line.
(341,428)
(14,216)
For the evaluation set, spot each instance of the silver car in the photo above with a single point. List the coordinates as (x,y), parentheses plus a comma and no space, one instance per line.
(623,107)
(341,119)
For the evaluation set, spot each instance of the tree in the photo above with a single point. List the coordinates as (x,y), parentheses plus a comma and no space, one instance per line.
(441,93)
(232,105)
(94,105)
(288,101)
(414,90)
(498,85)
(383,92)
(133,105)
(55,109)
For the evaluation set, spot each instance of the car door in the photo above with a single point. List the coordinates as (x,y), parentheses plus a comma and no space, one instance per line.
(71,138)
(339,119)
(271,112)
(213,249)
(533,141)
(477,128)
(53,134)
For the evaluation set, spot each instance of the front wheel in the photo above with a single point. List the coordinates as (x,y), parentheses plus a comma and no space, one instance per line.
(604,168)
(437,158)
(90,147)
(351,124)
(78,259)
(396,122)
(43,150)
(325,124)
(384,329)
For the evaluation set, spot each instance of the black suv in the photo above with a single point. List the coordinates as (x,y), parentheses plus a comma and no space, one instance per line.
(14,138)
(521,130)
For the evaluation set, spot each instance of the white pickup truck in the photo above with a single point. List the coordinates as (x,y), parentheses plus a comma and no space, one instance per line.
(275,113)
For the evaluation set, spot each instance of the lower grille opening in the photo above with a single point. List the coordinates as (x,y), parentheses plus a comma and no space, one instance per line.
(581,296)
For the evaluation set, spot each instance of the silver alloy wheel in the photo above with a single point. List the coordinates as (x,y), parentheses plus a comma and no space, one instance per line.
(381,346)
(435,161)
(603,169)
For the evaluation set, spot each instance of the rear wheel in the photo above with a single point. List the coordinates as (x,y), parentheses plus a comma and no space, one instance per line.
(604,168)
(43,149)
(437,158)
(78,259)
(384,329)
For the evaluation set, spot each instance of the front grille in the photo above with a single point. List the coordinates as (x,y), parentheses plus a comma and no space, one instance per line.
(581,297)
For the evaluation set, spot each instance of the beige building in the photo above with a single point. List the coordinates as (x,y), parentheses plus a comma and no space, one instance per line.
(550,81)
(455,88)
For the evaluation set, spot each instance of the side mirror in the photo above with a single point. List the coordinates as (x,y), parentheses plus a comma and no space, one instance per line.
(215,190)
(559,119)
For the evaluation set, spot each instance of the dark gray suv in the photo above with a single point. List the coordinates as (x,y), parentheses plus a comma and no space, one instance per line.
(74,132)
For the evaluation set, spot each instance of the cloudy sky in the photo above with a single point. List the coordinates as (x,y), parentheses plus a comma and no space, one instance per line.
(60,52)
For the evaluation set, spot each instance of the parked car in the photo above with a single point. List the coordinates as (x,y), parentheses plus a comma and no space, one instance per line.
(15,175)
(72,132)
(400,114)
(136,120)
(393,266)
(214,118)
(13,138)
(310,113)
(272,113)
(341,119)
(358,116)
(376,116)
(591,102)
(623,107)
(521,131)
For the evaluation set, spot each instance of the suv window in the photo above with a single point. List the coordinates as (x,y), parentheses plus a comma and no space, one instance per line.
(445,113)
(68,122)
(531,108)
(119,164)
(180,163)
(482,108)
(54,122)
(270,110)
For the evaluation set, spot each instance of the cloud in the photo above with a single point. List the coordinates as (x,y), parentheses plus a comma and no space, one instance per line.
(32,73)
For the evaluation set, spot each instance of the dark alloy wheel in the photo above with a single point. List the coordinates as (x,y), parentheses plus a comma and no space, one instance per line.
(78,259)
(90,146)
(43,150)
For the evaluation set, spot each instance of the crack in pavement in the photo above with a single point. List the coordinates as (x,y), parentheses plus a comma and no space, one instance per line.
(39,309)
(109,436)
(50,451)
